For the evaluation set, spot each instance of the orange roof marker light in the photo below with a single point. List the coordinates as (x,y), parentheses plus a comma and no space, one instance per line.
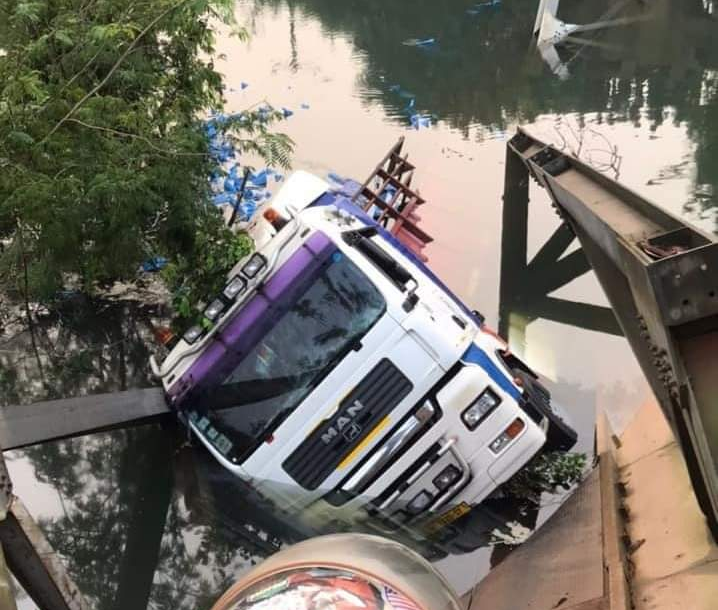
(274,218)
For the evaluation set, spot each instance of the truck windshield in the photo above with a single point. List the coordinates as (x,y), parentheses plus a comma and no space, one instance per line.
(306,336)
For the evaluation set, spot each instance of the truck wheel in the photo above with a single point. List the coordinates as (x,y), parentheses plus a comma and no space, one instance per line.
(559,436)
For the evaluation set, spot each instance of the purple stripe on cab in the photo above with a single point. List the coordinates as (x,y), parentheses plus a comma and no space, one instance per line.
(217,360)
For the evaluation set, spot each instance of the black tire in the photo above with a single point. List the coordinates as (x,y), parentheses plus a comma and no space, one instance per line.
(560,436)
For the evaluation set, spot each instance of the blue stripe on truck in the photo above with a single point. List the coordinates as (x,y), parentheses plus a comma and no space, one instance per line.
(475,355)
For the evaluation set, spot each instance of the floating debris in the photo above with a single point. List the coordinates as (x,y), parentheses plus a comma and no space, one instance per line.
(304,106)
(417,42)
(482,6)
(155,264)
(259,178)
(420,120)
(222,198)
(226,179)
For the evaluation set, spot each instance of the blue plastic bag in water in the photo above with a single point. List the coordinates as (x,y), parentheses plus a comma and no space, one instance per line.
(221,198)
(418,121)
(156,263)
(481,6)
(423,42)
(246,210)
(259,178)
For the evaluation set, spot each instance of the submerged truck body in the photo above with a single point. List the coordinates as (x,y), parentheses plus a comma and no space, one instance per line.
(337,374)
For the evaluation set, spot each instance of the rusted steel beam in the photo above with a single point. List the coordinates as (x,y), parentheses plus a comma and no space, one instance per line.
(525,286)
(24,425)
(661,276)
(35,564)
(30,557)
(391,171)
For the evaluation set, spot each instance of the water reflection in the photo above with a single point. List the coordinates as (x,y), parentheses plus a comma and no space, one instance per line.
(146,521)
(81,346)
(484,74)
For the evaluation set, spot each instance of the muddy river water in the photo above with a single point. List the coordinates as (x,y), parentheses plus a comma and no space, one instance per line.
(143,518)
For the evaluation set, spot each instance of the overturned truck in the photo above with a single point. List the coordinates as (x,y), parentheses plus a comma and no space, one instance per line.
(337,374)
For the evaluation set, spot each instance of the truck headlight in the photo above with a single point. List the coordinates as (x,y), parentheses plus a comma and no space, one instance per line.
(479,410)
(254,265)
(447,477)
(235,286)
(507,435)
(214,309)
(193,333)
(420,502)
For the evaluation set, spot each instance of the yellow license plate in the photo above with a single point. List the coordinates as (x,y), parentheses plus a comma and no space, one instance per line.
(446,518)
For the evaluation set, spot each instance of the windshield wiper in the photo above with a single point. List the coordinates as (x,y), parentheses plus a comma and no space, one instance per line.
(397,273)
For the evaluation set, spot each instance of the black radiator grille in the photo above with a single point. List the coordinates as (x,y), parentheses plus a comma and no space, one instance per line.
(366,405)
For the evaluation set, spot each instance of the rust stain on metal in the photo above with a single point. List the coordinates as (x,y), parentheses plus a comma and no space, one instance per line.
(393,175)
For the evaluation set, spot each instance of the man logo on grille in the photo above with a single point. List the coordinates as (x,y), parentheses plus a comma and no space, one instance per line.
(345,424)
(351,432)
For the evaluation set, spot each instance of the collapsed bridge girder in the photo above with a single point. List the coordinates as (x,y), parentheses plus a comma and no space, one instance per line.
(661,277)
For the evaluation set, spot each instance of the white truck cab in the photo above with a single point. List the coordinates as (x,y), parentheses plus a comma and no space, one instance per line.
(337,375)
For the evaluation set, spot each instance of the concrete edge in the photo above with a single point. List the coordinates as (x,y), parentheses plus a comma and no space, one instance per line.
(616,583)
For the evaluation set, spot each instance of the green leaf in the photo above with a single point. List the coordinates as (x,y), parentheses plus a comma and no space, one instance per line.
(28,11)
(63,36)
(20,138)
(100,191)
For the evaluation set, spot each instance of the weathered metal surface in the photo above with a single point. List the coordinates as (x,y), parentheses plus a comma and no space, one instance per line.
(525,285)
(661,277)
(24,425)
(35,564)
(395,172)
